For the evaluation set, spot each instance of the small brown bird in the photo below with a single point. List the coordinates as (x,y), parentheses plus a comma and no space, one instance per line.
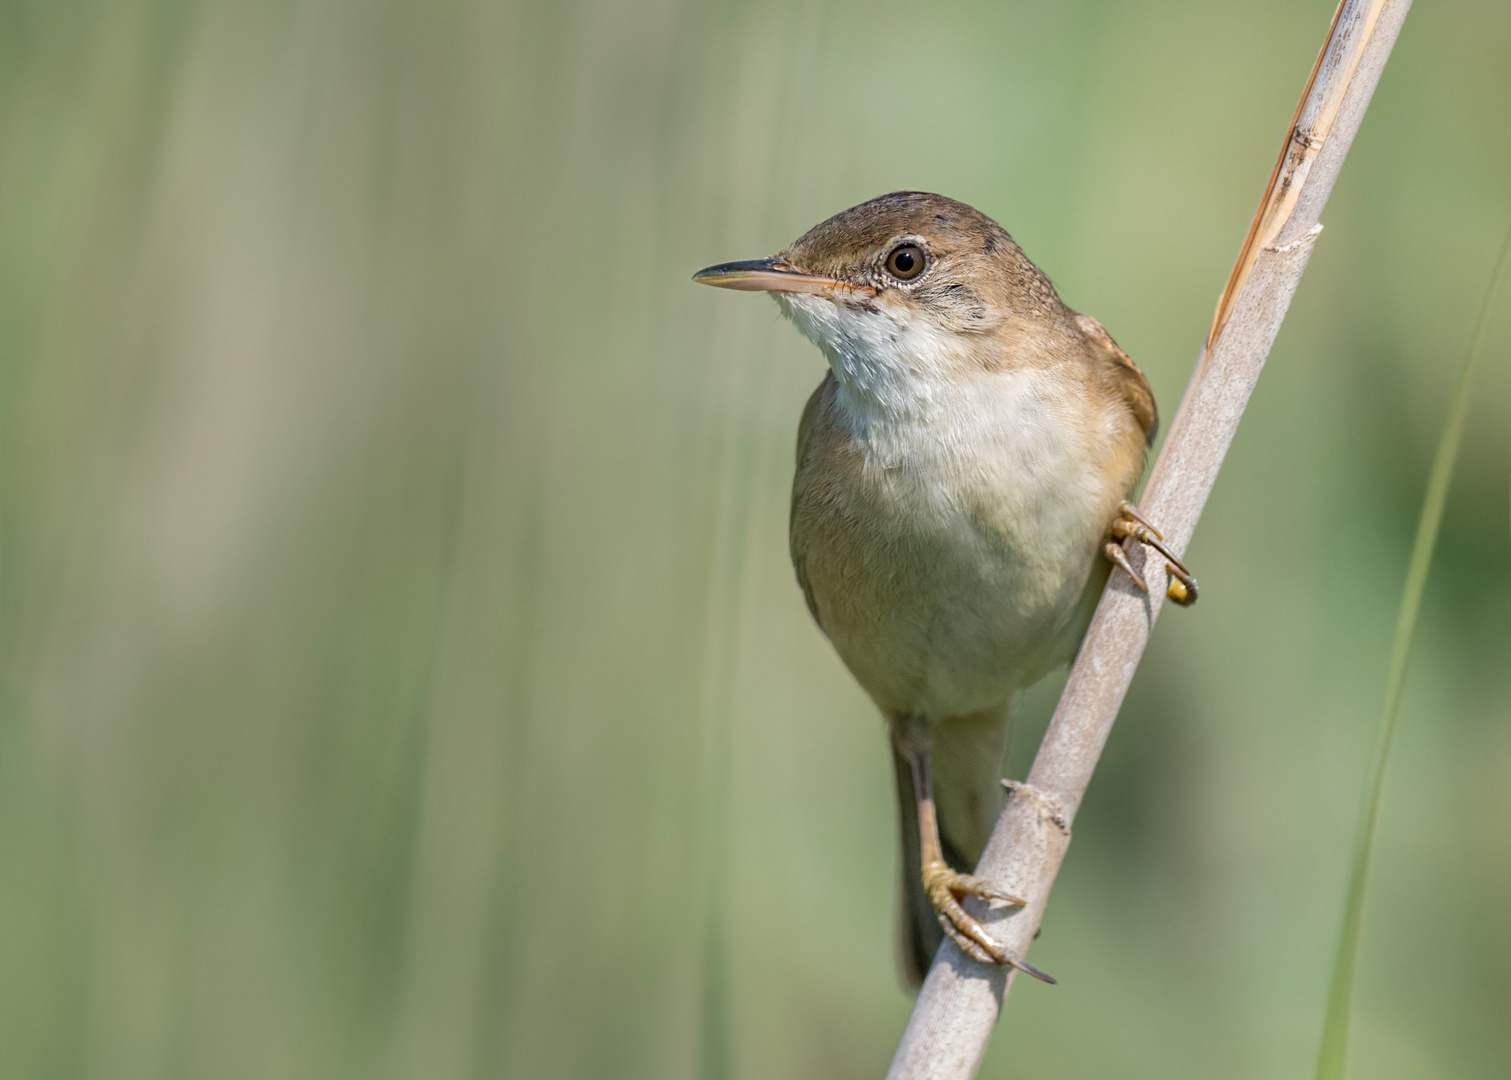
(960,471)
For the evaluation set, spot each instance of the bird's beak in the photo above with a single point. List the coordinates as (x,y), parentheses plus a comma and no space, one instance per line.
(773,275)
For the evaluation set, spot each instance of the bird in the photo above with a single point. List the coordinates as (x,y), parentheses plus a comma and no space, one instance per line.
(959,501)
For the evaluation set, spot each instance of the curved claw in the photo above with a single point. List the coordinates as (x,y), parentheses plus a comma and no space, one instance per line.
(998,958)
(943,886)
(1114,551)
(1182,588)
(987,890)
(1129,522)
(1029,969)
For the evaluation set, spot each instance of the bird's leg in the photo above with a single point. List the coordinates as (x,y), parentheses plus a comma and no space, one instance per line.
(1130,522)
(944,884)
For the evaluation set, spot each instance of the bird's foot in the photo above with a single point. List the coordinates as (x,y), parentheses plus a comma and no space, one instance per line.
(944,887)
(1130,522)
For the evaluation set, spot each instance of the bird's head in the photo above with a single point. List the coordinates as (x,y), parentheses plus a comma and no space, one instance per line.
(908,279)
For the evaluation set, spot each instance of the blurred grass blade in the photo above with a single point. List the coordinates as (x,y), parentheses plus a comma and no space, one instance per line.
(1334,1053)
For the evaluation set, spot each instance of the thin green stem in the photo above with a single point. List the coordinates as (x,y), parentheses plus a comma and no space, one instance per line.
(1334,1053)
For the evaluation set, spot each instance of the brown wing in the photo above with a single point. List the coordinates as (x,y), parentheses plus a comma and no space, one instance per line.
(1124,375)
(805,429)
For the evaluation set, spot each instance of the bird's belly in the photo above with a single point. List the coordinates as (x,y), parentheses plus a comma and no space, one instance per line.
(952,612)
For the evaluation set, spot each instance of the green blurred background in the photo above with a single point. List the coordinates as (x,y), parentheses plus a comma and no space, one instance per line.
(403,675)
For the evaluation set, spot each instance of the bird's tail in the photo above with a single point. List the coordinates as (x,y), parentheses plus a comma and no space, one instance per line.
(967,758)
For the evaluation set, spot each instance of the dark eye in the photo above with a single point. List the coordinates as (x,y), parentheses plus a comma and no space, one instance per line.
(906,262)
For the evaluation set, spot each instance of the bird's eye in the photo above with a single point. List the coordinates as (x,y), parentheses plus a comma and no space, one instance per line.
(906,262)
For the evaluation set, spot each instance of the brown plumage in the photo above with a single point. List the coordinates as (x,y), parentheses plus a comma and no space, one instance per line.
(958,469)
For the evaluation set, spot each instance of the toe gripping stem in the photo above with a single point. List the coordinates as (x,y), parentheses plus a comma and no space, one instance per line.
(944,887)
(1130,522)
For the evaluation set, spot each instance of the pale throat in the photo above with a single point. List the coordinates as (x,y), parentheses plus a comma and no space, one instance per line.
(902,387)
